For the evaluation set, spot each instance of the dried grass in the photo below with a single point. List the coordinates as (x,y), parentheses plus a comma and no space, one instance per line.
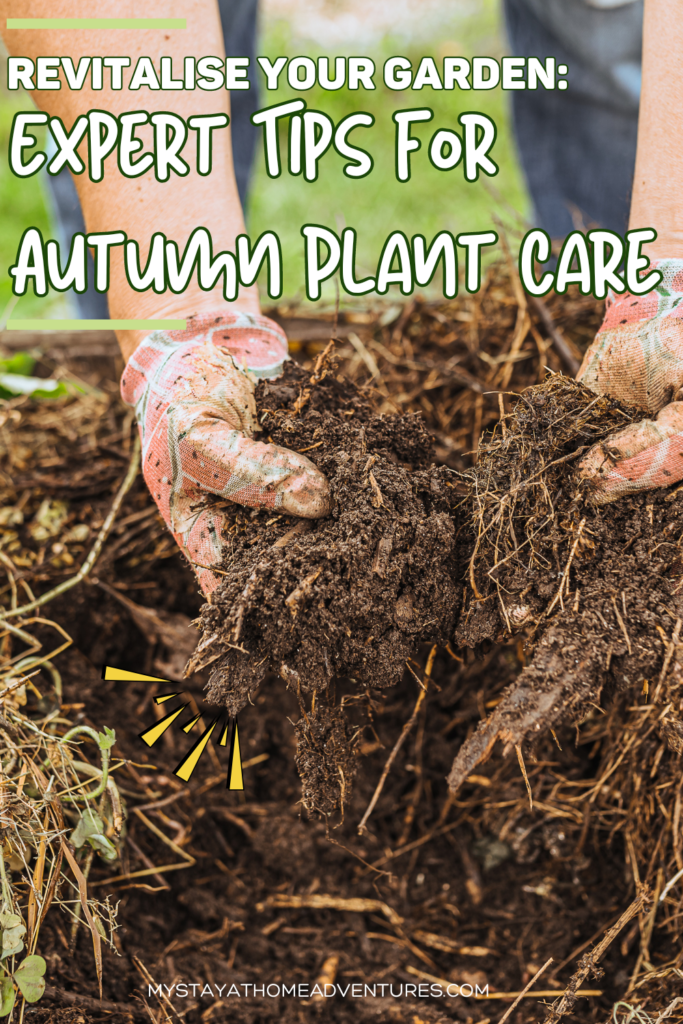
(454,362)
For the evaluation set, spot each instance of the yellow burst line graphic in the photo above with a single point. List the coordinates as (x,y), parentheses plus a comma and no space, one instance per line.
(123,675)
(229,732)
(191,759)
(235,776)
(151,736)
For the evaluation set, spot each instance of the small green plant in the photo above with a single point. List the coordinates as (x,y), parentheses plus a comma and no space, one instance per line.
(28,979)
(50,791)
(90,829)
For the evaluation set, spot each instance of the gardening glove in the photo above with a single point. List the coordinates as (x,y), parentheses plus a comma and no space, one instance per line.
(637,357)
(193,394)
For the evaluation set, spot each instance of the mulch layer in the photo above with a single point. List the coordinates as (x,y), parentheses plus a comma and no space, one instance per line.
(541,847)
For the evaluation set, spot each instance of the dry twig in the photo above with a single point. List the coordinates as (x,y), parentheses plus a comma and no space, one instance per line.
(399,743)
(589,961)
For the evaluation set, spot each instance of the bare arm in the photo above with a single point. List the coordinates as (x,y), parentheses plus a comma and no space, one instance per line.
(141,206)
(658,182)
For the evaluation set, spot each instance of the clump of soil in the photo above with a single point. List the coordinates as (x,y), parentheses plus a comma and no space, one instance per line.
(596,587)
(348,596)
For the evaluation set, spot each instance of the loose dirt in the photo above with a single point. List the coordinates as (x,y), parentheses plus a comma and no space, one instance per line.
(348,597)
(347,600)
(474,886)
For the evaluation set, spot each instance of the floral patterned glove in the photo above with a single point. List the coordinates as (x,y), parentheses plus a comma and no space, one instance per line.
(637,357)
(193,394)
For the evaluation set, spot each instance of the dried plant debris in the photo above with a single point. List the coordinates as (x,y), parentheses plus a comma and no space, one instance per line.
(483,884)
(596,588)
(348,596)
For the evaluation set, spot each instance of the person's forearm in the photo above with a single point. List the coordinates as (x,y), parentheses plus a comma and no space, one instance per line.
(140,206)
(658,181)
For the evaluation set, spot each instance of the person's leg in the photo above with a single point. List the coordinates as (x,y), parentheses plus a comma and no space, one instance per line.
(66,209)
(577,147)
(239,23)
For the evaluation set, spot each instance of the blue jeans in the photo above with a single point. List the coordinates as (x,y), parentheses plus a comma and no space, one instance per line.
(238,21)
(578,147)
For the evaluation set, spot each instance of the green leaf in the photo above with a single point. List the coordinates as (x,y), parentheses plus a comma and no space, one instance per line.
(103,847)
(11,946)
(12,942)
(7,996)
(13,932)
(59,392)
(90,824)
(90,829)
(20,362)
(107,739)
(29,978)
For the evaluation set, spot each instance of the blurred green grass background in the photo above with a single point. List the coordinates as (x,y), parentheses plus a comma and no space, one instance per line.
(375,205)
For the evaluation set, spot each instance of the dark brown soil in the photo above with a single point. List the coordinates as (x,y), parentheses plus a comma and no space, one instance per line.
(483,872)
(348,597)
(593,588)
(486,887)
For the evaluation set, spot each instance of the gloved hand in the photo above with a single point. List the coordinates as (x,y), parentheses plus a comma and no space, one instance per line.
(193,394)
(637,357)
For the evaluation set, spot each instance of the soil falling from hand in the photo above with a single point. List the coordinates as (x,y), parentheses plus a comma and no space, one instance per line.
(350,596)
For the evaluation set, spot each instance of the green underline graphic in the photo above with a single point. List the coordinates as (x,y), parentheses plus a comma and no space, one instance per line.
(96,325)
(90,23)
